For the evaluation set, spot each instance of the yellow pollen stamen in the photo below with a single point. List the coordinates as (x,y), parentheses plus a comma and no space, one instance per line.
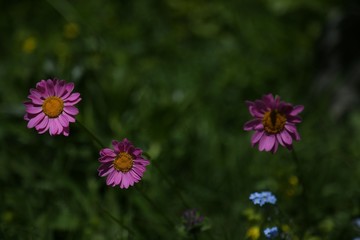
(274,121)
(123,162)
(53,106)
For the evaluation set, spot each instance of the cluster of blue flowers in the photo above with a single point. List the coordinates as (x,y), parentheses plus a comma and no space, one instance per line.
(262,198)
(271,232)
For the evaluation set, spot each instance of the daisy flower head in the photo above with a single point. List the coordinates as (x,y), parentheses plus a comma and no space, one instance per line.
(123,165)
(261,198)
(274,123)
(51,107)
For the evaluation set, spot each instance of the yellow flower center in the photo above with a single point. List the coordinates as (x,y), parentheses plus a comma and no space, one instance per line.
(123,162)
(53,106)
(273,121)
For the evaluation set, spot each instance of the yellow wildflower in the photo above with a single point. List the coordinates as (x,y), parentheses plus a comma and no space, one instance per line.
(293,180)
(71,30)
(253,232)
(29,45)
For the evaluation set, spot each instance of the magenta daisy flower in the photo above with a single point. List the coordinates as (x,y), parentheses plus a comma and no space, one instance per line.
(51,107)
(123,166)
(274,123)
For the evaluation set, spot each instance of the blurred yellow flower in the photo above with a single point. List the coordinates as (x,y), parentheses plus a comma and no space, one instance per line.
(253,232)
(7,216)
(29,45)
(327,225)
(290,192)
(251,215)
(293,180)
(285,228)
(71,30)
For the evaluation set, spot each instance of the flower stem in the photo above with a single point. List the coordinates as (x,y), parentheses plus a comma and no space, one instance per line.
(169,182)
(121,224)
(299,171)
(92,136)
(172,185)
(155,206)
(302,183)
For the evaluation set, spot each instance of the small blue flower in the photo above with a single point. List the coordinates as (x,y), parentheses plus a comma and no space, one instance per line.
(357,238)
(262,198)
(271,232)
(356,223)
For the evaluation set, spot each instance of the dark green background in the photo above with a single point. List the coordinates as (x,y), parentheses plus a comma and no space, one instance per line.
(173,76)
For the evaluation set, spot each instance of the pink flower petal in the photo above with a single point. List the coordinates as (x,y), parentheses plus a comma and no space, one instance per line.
(41,86)
(73,97)
(33,110)
(137,152)
(107,152)
(50,87)
(58,125)
(105,169)
(71,110)
(269,101)
(296,110)
(111,178)
(66,131)
(118,177)
(266,142)
(116,146)
(68,103)
(275,148)
(34,121)
(125,181)
(35,100)
(256,137)
(293,119)
(44,130)
(53,127)
(106,159)
(295,135)
(279,139)
(285,136)
(138,172)
(250,125)
(35,93)
(260,105)
(59,88)
(69,87)
(43,123)
(68,117)
(141,161)
(63,120)
(139,167)
(135,175)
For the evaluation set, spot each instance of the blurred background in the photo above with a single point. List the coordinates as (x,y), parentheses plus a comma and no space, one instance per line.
(173,76)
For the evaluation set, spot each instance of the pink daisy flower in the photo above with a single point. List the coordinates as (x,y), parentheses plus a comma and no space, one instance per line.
(274,123)
(51,107)
(123,166)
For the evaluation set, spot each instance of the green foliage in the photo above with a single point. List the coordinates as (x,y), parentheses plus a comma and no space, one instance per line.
(172,76)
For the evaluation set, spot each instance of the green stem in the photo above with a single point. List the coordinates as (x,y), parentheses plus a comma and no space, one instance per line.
(172,185)
(302,183)
(121,224)
(169,182)
(299,171)
(155,206)
(92,136)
